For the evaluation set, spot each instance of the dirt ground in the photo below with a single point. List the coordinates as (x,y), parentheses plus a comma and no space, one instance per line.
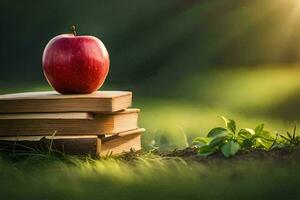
(190,154)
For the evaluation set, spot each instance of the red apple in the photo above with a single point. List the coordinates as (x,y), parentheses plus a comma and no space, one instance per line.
(75,64)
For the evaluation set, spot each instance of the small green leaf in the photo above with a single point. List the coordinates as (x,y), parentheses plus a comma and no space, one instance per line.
(259,129)
(205,151)
(230,124)
(266,135)
(230,148)
(217,131)
(246,138)
(262,144)
(217,141)
(201,141)
(250,130)
(246,133)
(247,143)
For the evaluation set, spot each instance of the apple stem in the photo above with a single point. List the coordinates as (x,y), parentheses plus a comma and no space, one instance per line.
(73,28)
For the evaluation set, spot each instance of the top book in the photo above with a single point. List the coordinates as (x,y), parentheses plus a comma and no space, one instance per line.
(97,102)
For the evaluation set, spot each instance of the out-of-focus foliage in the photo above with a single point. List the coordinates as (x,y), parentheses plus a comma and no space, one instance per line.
(147,39)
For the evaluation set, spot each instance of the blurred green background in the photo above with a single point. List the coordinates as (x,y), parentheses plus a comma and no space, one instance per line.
(187,61)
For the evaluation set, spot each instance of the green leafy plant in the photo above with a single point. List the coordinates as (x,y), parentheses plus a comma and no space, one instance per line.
(230,141)
(291,139)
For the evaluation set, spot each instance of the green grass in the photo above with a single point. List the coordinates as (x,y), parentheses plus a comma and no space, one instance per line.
(38,177)
(261,94)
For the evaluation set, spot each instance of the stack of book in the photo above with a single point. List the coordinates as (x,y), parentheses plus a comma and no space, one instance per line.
(100,123)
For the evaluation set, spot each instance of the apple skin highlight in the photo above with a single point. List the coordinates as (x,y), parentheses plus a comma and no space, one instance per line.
(75,64)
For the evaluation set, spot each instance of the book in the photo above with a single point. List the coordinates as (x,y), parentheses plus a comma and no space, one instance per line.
(50,101)
(77,145)
(125,141)
(76,123)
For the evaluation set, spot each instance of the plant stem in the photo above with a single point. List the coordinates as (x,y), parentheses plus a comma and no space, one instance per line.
(73,28)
